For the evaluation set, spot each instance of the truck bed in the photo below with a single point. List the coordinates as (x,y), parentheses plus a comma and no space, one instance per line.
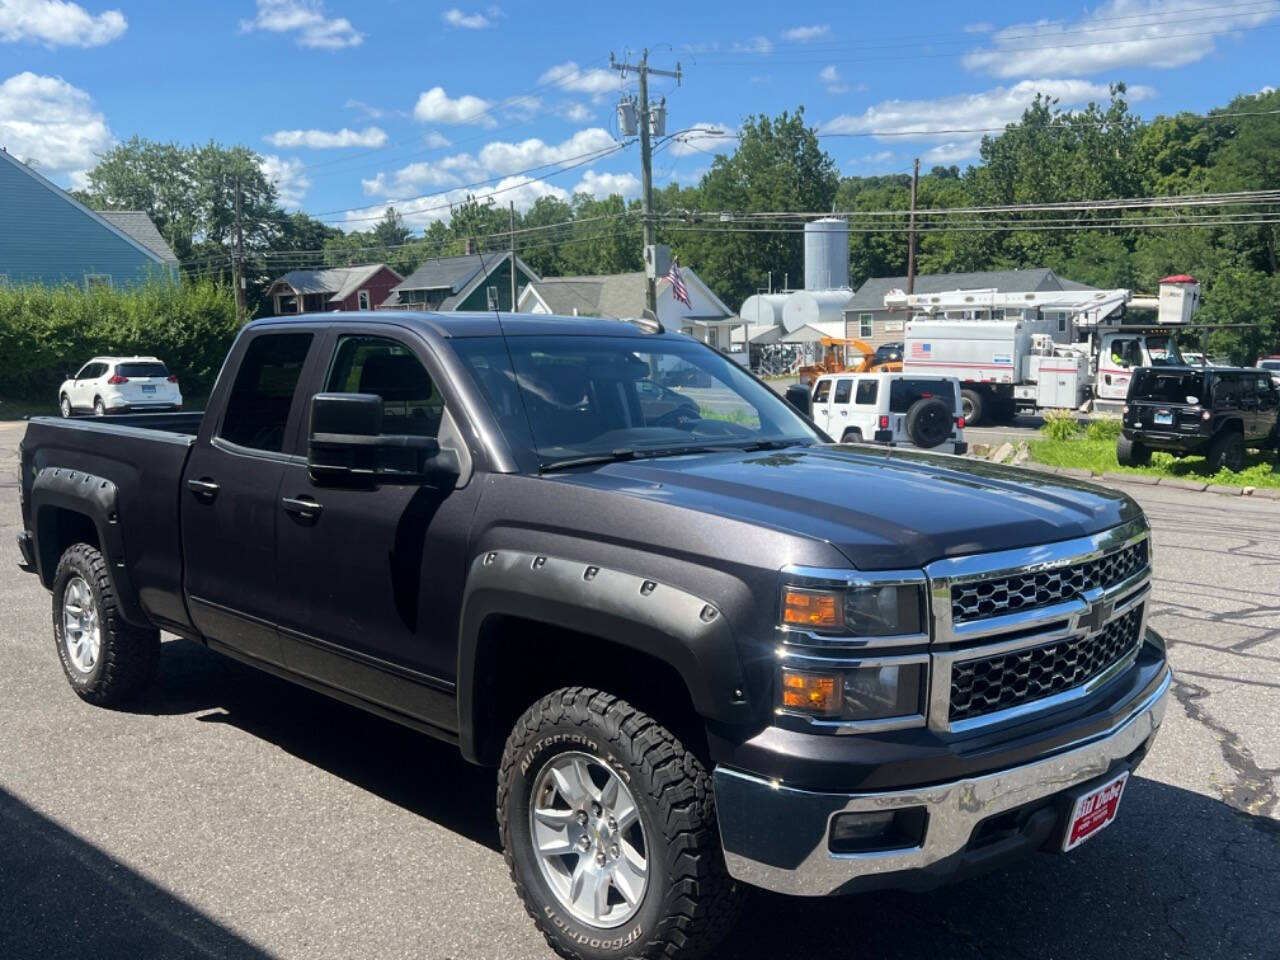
(129,469)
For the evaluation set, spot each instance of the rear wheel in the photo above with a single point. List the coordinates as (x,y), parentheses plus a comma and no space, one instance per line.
(1132,453)
(608,829)
(99,408)
(972,406)
(1226,452)
(852,435)
(64,404)
(929,422)
(106,659)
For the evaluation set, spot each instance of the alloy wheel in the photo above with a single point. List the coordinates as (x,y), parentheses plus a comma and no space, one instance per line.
(81,628)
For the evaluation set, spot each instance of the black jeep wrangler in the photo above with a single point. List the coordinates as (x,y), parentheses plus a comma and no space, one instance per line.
(1214,411)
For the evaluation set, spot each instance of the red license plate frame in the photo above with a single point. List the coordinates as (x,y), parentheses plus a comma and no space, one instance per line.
(1094,811)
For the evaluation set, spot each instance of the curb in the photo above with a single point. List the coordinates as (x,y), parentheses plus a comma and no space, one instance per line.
(1142,478)
(1179,483)
(1224,491)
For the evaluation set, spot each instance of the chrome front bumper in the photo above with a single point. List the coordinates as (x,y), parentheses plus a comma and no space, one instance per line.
(776,837)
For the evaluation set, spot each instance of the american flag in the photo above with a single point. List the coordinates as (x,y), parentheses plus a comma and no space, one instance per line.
(919,349)
(677,284)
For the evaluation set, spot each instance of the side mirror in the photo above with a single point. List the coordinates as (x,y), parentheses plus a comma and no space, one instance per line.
(798,396)
(346,444)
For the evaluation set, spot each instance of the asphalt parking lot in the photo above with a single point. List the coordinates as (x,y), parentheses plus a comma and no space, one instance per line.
(234,815)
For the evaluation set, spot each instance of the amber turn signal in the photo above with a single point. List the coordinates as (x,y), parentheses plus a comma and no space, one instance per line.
(812,608)
(811,692)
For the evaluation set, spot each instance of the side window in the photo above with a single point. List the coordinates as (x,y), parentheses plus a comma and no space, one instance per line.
(867,392)
(1226,393)
(410,401)
(86,372)
(823,392)
(844,389)
(263,392)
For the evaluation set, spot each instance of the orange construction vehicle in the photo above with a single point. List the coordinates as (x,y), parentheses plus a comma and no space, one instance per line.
(846,356)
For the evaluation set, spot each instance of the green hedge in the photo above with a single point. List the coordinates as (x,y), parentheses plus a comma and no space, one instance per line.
(47,333)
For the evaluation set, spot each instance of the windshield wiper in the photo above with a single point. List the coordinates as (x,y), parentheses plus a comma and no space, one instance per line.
(618,456)
(597,458)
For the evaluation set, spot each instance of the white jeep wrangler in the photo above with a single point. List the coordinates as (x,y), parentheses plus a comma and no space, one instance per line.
(898,409)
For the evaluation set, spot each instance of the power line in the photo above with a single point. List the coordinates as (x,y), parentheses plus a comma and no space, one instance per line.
(1068,123)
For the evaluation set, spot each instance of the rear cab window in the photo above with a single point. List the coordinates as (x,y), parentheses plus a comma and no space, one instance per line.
(262,395)
(903,394)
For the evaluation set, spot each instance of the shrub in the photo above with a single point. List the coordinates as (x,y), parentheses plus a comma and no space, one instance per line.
(1108,429)
(46,333)
(1060,425)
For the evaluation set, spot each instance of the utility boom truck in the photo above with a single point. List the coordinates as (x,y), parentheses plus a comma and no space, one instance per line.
(1045,350)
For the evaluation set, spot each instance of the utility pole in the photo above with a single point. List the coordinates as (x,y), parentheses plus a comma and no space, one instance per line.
(643,70)
(911,230)
(238,261)
(512,207)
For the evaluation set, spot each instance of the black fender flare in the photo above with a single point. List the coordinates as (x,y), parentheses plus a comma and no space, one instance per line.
(658,619)
(93,497)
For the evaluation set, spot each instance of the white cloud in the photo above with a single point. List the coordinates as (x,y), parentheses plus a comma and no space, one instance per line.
(471,21)
(705,138)
(802,34)
(595,81)
(574,112)
(1121,33)
(831,78)
(289,177)
(305,18)
(56,23)
(409,180)
(882,156)
(420,212)
(368,110)
(523,108)
(325,139)
(761,45)
(53,125)
(928,121)
(980,27)
(1265,90)
(435,106)
(503,158)
(436,140)
(601,185)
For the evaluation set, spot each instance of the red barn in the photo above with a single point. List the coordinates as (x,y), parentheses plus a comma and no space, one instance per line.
(333,288)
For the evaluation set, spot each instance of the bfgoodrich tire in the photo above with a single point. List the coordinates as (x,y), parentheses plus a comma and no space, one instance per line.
(1226,451)
(608,828)
(106,659)
(1132,453)
(929,423)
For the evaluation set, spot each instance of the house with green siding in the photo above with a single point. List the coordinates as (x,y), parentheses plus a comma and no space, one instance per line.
(47,237)
(474,281)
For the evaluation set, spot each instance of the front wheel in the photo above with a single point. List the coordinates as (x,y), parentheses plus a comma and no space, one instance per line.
(608,828)
(64,404)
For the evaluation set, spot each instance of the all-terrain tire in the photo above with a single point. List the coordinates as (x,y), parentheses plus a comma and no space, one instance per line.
(974,406)
(1226,451)
(929,422)
(1132,453)
(127,655)
(690,902)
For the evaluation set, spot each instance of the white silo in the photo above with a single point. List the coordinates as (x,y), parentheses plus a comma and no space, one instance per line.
(823,309)
(826,254)
(763,309)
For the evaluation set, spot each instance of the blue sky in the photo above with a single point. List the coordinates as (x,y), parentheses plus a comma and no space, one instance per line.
(357,104)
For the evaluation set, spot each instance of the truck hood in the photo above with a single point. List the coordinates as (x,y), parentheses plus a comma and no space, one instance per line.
(881,509)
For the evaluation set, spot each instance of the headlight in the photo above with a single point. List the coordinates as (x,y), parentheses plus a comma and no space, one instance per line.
(863,611)
(871,690)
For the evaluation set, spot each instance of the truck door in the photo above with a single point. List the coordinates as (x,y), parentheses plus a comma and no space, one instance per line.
(839,409)
(822,405)
(1268,407)
(371,577)
(1115,363)
(230,508)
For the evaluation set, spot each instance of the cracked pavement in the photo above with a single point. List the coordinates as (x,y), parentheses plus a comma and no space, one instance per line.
(236,815)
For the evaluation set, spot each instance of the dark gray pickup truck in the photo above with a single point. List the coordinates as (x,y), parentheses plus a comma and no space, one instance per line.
(703,646)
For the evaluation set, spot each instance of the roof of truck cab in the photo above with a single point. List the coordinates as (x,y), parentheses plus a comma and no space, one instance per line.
(474,324)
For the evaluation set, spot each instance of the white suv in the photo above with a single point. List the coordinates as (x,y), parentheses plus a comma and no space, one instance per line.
(120,385)
(898,409)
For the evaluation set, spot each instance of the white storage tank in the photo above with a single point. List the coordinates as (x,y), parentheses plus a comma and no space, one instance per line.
(763,309)
(815,307)
(826,254)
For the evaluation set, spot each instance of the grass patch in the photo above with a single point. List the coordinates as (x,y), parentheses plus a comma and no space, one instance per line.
(1099,455)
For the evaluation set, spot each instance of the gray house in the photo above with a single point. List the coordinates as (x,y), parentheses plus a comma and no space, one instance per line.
(48,237)
(470,282)
(866,318)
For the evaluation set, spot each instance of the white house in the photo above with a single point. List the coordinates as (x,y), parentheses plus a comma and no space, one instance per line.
(623,295)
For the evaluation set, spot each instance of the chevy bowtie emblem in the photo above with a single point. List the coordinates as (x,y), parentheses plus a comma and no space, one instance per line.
(1097,616)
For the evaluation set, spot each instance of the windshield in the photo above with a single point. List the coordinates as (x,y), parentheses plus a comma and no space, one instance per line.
(1167,387)
(588,397)
(1164,352)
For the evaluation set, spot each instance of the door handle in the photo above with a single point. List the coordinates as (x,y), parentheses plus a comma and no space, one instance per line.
(304,508)
(203,488)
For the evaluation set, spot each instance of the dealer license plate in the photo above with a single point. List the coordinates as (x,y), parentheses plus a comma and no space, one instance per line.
(1164,417)
(148,388)
(1094,812)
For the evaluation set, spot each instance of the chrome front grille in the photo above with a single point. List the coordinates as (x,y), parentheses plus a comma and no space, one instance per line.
(985,685)
(1022,631)
(1026,591)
